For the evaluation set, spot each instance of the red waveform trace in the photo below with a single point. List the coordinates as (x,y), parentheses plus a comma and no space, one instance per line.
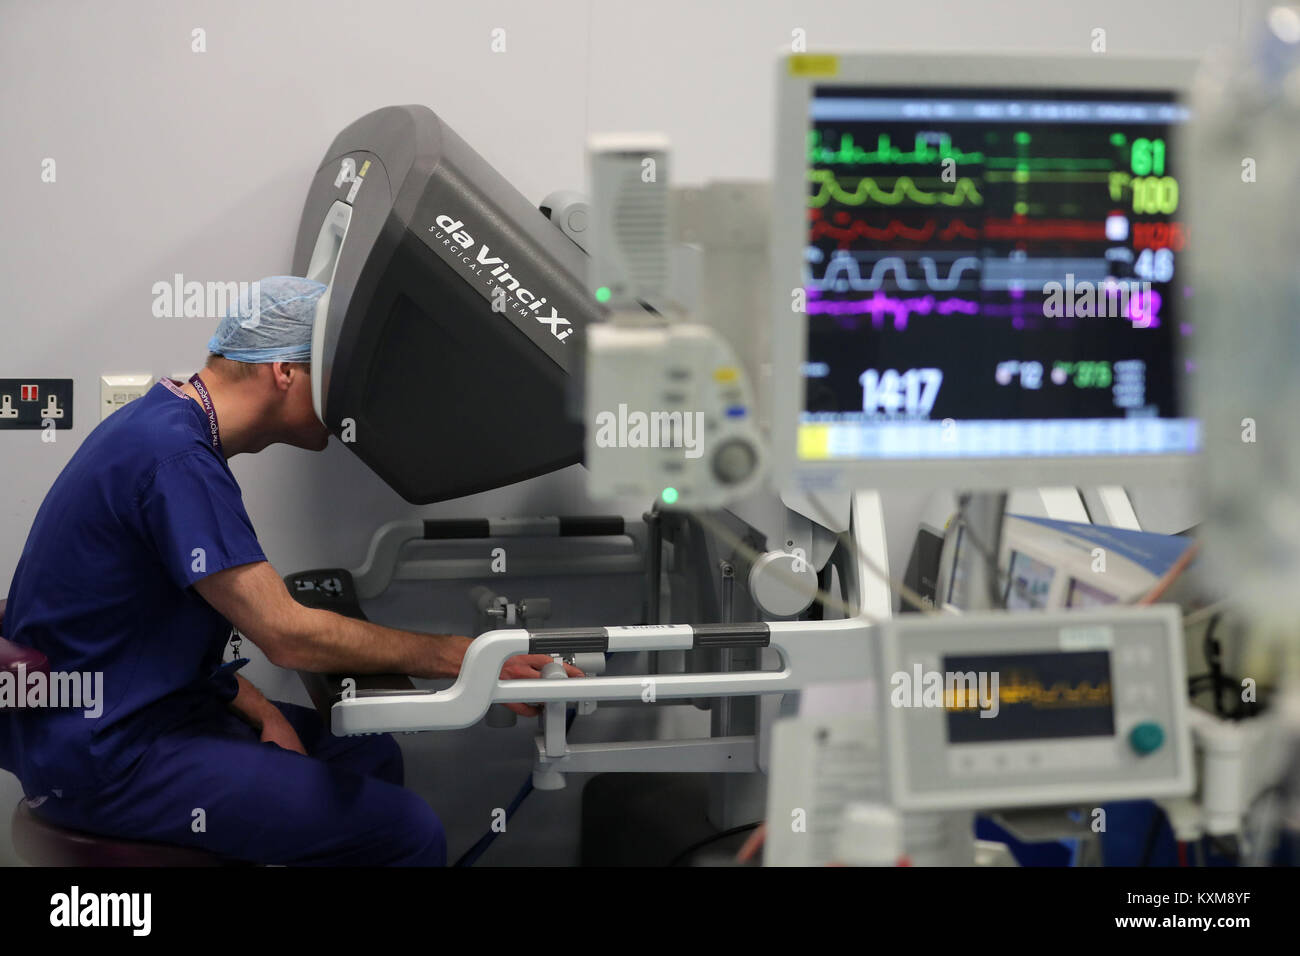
(857,229)
(957,228)
(844,228)
(1019,227)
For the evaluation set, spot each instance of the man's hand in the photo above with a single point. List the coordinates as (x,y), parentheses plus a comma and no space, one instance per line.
(748,852)
(263,716)
(529,667)
(277,730)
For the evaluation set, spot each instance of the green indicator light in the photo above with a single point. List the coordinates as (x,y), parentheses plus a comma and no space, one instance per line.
(603,294)
(1021,208)
(669,496)
(1022,137)
(1118,139)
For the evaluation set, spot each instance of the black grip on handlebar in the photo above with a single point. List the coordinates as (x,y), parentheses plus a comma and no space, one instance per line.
(576,640)
(755,634)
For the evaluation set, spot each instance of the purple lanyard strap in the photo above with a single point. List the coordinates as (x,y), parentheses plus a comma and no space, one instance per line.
(208,407)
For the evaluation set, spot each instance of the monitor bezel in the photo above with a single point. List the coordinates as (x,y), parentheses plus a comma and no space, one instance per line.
(797,75)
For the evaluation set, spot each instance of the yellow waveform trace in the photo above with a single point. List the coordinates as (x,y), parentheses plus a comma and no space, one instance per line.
(1019,690)
(961,699)
(964,190)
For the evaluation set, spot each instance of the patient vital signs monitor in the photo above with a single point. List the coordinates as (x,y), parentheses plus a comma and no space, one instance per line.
(1087,705)
(987,253)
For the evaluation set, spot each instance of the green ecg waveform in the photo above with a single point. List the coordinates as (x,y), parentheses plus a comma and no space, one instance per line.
(885,152)
(904,188)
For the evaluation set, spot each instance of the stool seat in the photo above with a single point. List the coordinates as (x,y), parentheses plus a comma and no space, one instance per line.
(40,843)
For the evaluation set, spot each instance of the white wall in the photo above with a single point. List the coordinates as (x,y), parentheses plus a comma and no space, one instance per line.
(173,161)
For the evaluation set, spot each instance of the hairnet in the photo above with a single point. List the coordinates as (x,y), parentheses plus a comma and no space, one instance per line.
(272,321)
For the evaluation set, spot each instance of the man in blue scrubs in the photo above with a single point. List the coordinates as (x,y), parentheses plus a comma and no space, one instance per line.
(140,560)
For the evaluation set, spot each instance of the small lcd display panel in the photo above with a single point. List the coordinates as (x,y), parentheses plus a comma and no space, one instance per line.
(1029,696)
(1028,582)
(994,273)
(1085,595)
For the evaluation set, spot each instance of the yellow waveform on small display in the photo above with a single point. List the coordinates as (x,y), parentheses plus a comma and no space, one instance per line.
(1021,690)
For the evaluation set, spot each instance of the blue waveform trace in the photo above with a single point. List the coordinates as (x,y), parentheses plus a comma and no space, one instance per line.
(844,263)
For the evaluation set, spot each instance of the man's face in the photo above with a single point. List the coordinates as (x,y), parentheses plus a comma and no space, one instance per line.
(303,429)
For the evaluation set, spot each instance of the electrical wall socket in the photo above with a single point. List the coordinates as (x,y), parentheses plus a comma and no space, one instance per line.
(28,403)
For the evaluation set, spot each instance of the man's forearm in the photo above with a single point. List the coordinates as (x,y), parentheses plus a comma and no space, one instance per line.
(254,599)
(332,643)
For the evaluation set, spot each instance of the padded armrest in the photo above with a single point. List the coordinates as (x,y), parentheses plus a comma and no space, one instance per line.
(332,589)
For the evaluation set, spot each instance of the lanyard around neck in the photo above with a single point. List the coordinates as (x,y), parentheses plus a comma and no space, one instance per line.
(206,400)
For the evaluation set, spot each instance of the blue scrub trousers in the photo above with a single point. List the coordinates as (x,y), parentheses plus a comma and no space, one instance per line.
(344,805)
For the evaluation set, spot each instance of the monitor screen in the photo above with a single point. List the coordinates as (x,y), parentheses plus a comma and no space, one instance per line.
(1036,695)
(1085,595)
(1028,582)
(993,273)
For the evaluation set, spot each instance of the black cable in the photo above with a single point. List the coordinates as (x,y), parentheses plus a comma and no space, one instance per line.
(1213,656)
(1240,711)
(1157,820)
(1226,847)
(701,844)
(471,856)
(1219,682)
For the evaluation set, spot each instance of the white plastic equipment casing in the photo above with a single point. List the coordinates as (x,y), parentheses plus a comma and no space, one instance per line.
(116,390)
(324,260)
(668,407)
(630,231)
(1148,679)
(1238,761)
(871,834)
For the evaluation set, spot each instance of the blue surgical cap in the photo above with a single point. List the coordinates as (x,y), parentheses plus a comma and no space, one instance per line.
(272,321)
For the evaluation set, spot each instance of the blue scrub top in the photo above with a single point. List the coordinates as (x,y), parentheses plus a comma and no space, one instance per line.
(145,508)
